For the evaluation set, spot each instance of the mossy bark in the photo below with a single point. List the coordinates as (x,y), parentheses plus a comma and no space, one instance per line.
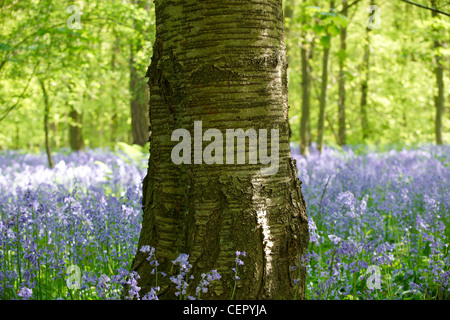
(222,63)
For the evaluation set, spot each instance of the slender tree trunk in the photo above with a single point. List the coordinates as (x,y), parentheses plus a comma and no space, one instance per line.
(307,51)
(17,136)
(342,77)
(227,69)
(306,100)
(75,130)
(323,94)
(139,93)
(114,113)
(46,125)
(139,101)
(364,84)
(439,72)
(56,138)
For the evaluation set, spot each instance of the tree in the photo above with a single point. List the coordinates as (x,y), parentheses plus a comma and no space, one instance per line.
(139,92)
(307,53)
(139,103)
(46,125)
(324,85)
(342,58)
(306,98)
(439,72)
(365,81)
(75,131)
(222,63)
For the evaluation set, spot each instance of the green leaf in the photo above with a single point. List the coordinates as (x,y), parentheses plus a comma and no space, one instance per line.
(318,29)
(325,41)
(41,32)
(333,29)
(340,20)
(5,47)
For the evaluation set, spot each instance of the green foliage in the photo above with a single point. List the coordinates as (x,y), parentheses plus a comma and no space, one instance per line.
(88,69)
(85,69)
(402,84)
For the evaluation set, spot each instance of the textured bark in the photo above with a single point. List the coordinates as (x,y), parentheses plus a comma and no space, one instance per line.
(341,100)
(223,63)
(46,125)
(75,130)
(365,83)
(323,94)
(439,72)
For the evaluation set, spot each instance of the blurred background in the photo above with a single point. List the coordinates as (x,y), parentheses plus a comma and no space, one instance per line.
(362,73)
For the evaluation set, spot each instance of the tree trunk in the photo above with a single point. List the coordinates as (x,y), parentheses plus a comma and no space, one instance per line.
(342,58)
(439,72)
(306,100)
(222,63)
(307,52)
(364,83)
(46,125)
(115,52)
(75,130)
(323,94)
(139,102)
(17,136)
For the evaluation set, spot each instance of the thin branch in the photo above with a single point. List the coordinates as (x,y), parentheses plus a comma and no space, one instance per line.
(425,7)
(350,5)
(22,94)
(22,41)
(353,3)
(48,29)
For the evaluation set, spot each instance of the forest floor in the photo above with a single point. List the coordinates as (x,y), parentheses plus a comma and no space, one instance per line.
(379,223)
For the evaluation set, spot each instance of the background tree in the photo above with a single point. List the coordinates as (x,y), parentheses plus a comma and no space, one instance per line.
(138,89)
(330,27)
(46,125)
(308,38)
(342,75)
(366,73)
(439,71)
(72,54)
